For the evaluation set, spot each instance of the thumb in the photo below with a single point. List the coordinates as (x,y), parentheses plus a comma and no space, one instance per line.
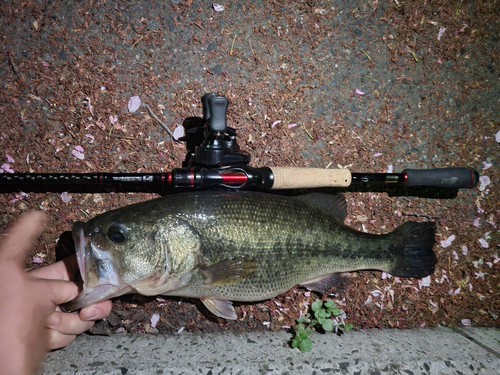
(18,240)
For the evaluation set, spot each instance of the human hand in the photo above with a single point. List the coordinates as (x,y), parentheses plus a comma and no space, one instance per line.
(31,322)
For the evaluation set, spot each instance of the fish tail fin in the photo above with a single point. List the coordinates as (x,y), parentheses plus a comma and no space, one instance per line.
(413,250)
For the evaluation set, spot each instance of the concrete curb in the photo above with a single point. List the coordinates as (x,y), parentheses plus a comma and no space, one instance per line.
(424,351)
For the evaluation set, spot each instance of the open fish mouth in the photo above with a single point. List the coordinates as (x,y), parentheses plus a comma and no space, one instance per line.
(104,289)
(81,243)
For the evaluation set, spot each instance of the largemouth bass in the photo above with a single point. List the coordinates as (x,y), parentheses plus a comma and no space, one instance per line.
(236,246)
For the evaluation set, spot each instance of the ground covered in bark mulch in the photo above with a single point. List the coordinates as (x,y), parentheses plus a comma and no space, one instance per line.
(375,86)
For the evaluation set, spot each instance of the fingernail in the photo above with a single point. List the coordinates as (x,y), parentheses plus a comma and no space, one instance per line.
(90,313)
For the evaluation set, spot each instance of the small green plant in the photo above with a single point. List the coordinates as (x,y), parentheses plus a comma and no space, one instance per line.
(326,315)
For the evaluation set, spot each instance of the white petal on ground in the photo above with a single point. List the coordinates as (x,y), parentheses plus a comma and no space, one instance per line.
(218,7)
(466,322)
(275,123)
(65,197)
(487,165)
(134,103)
(478,275)
(465,250)
(390,168)
(178,132)
(476,222)
(426,281)
(6,167)
(359,92)
(484,243)
(292,125)
(9,158)
(441,32)
(448,241)
(485,181)
(497,136)
(154,320)
(496,258)
(77,154)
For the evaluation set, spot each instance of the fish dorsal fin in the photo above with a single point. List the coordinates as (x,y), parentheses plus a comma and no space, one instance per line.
(219,307)
(229,271)
(335,205)
(325,283)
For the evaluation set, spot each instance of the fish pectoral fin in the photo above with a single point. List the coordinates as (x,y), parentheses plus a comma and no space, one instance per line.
(229,271)
(219,307)
(325,283)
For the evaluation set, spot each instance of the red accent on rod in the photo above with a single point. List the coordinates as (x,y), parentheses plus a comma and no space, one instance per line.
(236,178)
(191,178)
(405,178)
(100,177)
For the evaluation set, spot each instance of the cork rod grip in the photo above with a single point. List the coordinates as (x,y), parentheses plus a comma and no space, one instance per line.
(299,178)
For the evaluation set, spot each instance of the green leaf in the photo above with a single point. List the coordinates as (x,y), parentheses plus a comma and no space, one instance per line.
(301,319)
(316,305)
(348,327)
(322,313)
(295,342)
(328,325)
(305,345)
(336,312)
(329,303)
(301,328)
(321,320)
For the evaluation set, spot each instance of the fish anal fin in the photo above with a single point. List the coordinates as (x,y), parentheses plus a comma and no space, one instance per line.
(229,271)
(221,308)
(323,284)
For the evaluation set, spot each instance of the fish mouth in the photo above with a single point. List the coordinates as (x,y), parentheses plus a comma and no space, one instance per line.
(105,288)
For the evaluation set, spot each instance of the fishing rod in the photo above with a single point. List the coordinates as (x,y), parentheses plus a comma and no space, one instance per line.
(215,160)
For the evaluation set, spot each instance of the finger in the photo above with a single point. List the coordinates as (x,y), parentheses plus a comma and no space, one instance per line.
(65,269)
(19,239)
(59,291)
(68,323)
(59,340)
(97,311)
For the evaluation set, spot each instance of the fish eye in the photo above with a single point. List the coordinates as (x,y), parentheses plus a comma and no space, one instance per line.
(118,233)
